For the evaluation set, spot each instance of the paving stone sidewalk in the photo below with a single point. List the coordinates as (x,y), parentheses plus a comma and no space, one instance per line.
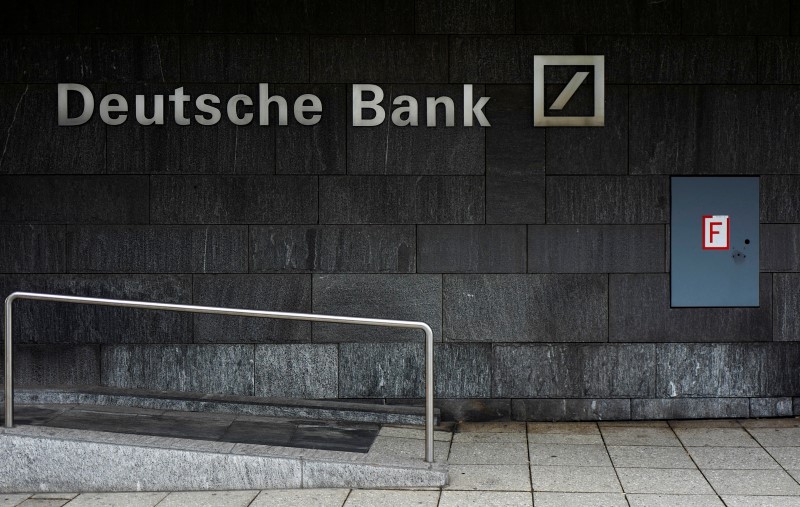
(607,464)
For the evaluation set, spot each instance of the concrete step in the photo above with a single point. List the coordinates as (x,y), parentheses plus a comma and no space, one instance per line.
(54,459)
(216,403)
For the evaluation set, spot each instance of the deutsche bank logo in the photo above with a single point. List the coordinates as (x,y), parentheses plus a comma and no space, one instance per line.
(540,110)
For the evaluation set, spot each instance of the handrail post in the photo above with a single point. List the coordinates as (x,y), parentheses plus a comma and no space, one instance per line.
(9,366)
(428,393)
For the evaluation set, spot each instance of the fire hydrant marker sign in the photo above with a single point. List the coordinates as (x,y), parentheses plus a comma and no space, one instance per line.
(716,232)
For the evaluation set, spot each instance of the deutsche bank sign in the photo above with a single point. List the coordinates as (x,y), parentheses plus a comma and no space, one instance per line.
(540,117)
(370,107)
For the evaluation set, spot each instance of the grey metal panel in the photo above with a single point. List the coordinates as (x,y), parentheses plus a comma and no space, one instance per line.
(714,277)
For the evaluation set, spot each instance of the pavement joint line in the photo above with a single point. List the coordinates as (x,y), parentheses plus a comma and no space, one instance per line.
(672,429)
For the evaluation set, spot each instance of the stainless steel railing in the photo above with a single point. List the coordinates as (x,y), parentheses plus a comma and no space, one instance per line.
(9,373)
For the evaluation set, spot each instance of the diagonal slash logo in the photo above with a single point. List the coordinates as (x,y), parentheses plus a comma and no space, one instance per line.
(540,119)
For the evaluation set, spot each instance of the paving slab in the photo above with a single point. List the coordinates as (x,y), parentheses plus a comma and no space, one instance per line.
(638,456)
(636,435)
(648,500)
(418,433)
(572,479)
(777,437)
(586,428)
(733,458)
(485,499)
(12,500)
(569,455)
(664,481)
(407,448)
(391,498)
(782,422)
(787,457)
(475,437)
(549,499)
(705,423)
(489,478)
(752,482)
(315,497)
(117,499)
(715,437)
(761,501)
(492,427)
(34,502)
(565,438)
(470,453)
(209,499)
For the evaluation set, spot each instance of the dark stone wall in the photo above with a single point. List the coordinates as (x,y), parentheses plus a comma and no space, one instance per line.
(540,257)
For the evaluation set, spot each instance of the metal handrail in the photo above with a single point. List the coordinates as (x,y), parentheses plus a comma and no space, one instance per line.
(9,376)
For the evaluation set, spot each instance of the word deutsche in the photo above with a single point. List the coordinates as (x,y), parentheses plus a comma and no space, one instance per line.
(369,109)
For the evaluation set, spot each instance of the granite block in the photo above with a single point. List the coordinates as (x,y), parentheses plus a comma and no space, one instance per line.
(515,159)
(132,148)
(771,407)
(317,149)
(400,297)
(380,59)
(513,145)
(664,123)
(382,370)
(749,17)
(44,322)
(333,248)
(156,249)
(226,148)
(357,17)
(413,199)
(297,371)
(212,369)
(41,17)
(570,409)
(726,370)
(34,143)
(690,130)
(31,249)
(89,59)
(677,60)
(573,371)
(505,59)
(523,308)
(70,199)
(462,370)
(287,293)
(777,60)
(595,248)
(459,17)
(129,16)
(478,410)
(607,200)
(689,408)
(233,199)
(322,474)
(471,248)
(581,150)
(639,310)
(787,300)
(37,365)
(591,17)
(780,247)
(392,149)
(92,466)
(244,58)
(779,203)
